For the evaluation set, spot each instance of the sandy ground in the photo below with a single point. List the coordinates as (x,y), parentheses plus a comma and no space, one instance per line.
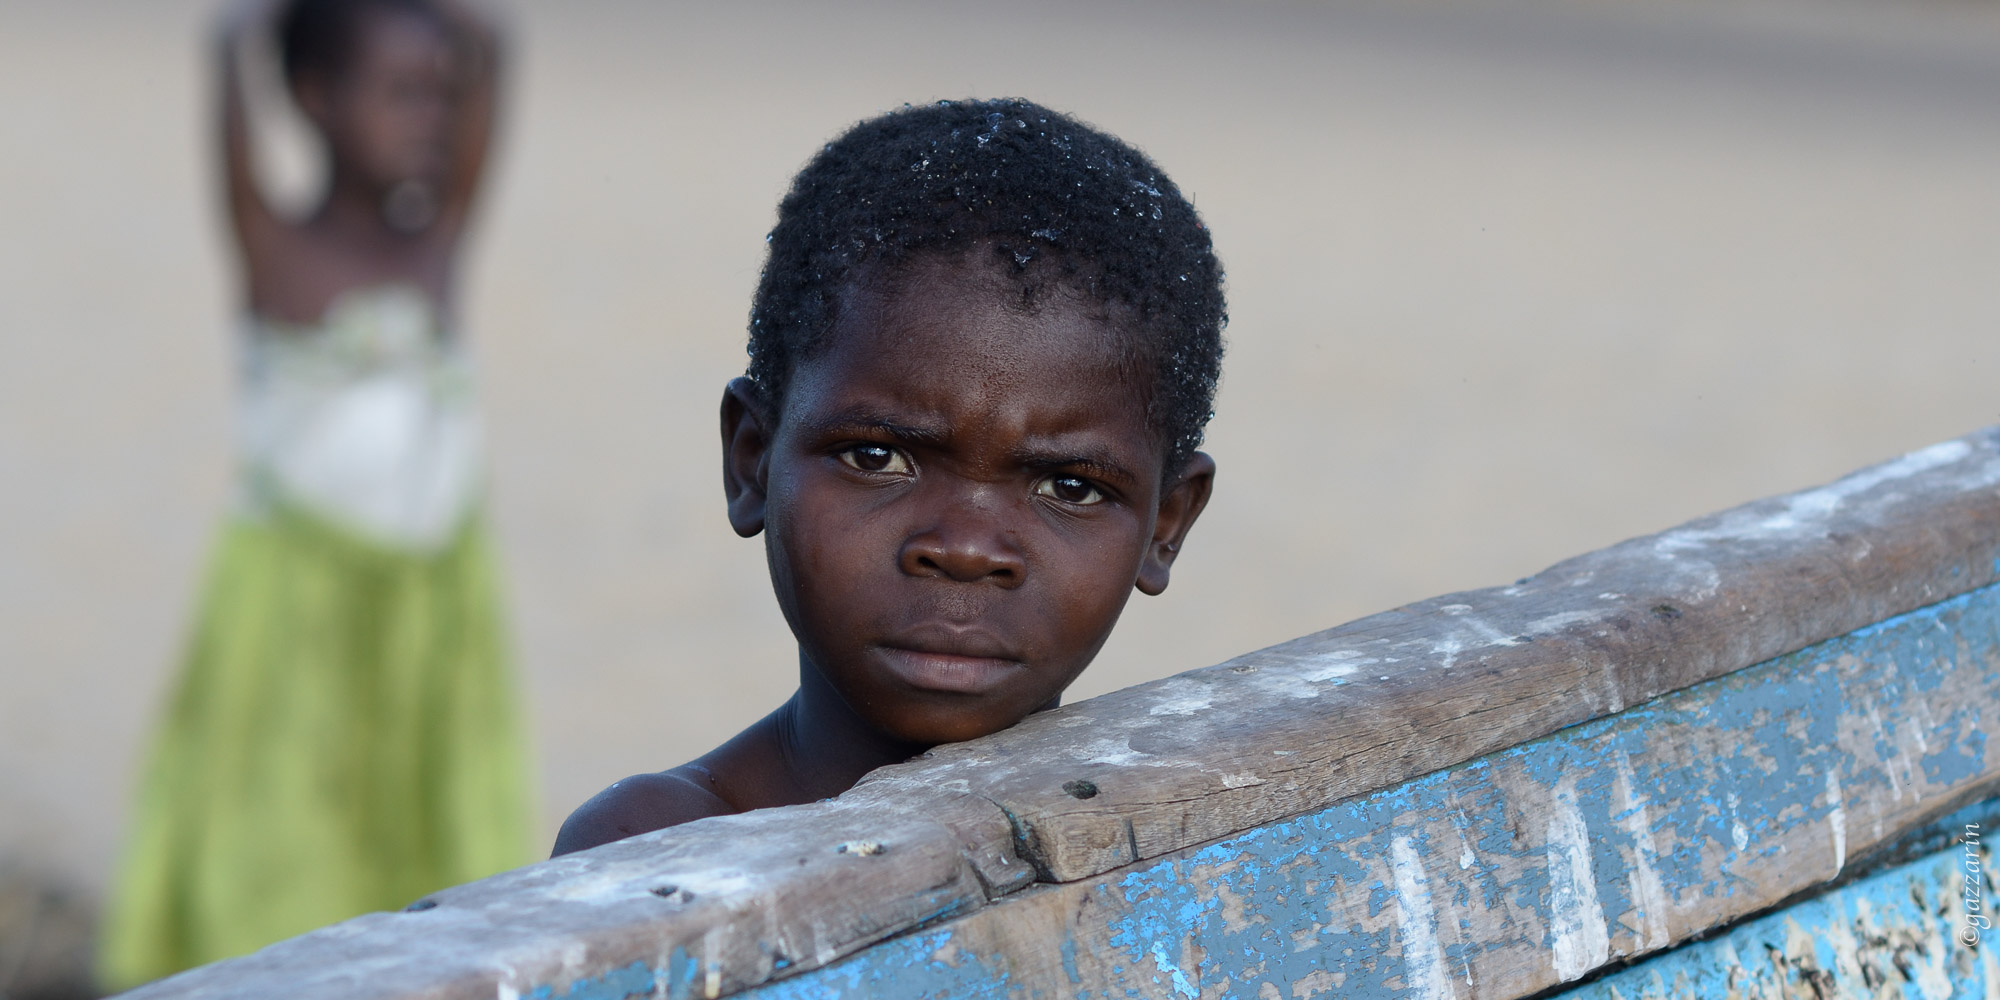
(1508,283)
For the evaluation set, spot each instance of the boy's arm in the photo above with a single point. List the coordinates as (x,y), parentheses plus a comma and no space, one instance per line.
(639,804)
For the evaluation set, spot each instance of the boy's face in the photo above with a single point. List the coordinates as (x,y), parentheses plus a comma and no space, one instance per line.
(959,495)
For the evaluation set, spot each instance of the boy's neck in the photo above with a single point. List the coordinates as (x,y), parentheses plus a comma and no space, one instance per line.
(825,746)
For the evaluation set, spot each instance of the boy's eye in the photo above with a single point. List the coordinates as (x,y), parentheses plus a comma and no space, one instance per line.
(1070,490)
(875,458)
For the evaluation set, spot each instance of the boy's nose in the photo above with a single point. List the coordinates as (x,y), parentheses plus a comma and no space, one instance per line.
(966,552)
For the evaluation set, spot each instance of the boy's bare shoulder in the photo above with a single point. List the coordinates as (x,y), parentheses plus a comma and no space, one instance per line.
(639,804)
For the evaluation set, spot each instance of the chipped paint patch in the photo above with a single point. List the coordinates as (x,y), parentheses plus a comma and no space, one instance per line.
(1649,896)
(1181,696)
(1807,512)
(1738,833)
(1342,666)
(1579,941)
(1893,934)
(634,979)
(1423,961)
(1551,624)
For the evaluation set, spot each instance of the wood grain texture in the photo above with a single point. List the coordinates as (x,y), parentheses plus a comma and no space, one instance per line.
(714,907)
(1268,743)
(1527,868)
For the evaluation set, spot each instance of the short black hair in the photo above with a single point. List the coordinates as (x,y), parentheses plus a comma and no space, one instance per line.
(320,37)
(1049,196)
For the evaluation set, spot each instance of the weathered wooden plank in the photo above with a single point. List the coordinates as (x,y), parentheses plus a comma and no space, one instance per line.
(1153,770)
(1288,729)
(1524,869)
(712,908)
(1906,932)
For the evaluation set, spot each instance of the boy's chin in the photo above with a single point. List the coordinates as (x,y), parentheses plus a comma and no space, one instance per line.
(928,729)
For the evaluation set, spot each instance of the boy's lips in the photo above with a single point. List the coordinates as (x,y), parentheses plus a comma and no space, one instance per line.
(938,659)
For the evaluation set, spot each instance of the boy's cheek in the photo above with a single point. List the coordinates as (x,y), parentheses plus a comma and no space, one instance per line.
(833,561)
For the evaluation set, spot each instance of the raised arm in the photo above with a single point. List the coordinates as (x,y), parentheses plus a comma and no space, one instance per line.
(251,219)
(479,47)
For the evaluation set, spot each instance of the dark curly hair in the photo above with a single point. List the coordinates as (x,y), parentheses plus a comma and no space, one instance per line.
(1053,200)
(320,37)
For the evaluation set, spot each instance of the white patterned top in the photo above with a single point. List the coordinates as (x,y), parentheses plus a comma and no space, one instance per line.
(366,420)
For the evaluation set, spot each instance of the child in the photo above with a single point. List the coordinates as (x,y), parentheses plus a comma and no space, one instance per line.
(982,354)
(344,737)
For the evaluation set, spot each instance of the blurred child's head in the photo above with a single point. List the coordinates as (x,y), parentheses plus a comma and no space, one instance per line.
(378,78)
(982,354)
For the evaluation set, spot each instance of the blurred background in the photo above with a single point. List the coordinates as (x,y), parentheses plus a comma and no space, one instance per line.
(1508,282)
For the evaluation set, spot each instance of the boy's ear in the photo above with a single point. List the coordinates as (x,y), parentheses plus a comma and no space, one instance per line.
(1179,506)
(745,456)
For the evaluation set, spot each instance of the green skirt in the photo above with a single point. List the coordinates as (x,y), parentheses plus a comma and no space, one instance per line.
(344,738)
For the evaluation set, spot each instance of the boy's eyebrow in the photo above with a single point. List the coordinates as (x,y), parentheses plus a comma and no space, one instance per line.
(1095,463)
(857,419)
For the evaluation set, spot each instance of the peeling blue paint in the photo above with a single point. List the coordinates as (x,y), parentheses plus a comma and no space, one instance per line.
(1903,930)
(1961,758)
(1260,908)
(637,979)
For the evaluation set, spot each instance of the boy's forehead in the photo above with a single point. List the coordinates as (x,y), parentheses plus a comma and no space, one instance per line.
(951,316)
(967,302)
(960,336)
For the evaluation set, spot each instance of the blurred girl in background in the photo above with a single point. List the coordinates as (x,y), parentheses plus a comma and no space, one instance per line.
(344,737)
